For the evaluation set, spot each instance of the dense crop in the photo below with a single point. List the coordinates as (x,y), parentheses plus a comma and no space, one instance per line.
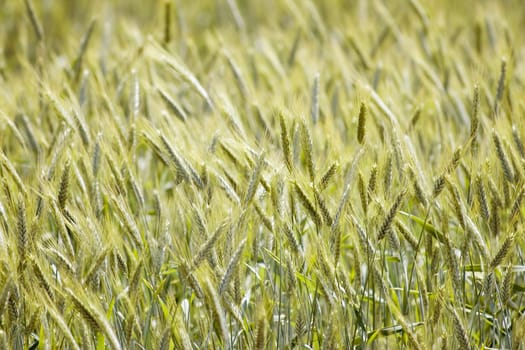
(289,174)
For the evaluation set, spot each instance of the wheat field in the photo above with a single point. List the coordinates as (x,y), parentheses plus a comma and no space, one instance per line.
(280,174)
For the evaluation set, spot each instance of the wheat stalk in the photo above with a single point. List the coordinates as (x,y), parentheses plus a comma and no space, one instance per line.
(314,110)
(219,315)
(37,26)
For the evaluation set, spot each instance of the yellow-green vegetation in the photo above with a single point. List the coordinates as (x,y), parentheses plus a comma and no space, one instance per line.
(289,174)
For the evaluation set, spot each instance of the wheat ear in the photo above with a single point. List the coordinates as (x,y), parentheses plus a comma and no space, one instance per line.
(232,266)
(389,218)
(361,123)
(503,251)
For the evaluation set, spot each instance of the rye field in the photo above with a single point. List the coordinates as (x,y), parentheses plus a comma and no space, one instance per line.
(279,174)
